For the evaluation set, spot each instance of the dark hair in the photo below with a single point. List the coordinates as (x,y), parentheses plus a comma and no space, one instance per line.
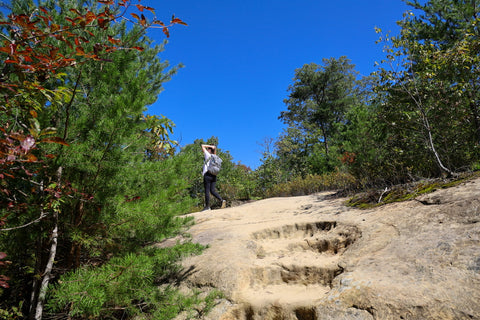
(212,150)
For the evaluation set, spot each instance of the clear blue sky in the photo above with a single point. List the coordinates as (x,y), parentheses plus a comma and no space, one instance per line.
(240,57)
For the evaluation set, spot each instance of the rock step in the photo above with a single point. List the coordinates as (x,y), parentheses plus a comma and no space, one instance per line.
(292,295)
(295,230)
(292,274)
(305,258)
(330,244)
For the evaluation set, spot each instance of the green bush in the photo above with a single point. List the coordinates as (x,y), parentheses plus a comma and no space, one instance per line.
(127,285)
(314,183)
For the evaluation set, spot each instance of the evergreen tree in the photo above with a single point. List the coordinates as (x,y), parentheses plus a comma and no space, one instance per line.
(319,99)
(98,193)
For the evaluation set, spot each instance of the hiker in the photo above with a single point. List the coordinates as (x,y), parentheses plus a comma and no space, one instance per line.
(209,178)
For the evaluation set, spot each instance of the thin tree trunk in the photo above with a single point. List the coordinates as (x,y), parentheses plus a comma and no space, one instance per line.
(47,275)
(432,146)
(420,106)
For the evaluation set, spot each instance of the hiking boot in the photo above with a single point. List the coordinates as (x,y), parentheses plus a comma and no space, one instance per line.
(224,203)
(206,209)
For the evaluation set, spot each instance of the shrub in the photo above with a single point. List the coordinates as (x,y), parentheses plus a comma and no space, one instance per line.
(314,183)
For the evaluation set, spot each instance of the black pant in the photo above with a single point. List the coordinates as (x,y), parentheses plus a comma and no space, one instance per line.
(209,181)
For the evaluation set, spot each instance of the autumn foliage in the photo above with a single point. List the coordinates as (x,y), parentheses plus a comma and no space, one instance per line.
(36,51)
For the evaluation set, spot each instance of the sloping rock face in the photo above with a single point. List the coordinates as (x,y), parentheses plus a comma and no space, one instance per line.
(311,257)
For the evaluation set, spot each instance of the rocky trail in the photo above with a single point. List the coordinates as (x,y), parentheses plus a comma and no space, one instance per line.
(311,257)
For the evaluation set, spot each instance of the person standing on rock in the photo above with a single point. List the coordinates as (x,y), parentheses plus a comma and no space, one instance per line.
(211,166)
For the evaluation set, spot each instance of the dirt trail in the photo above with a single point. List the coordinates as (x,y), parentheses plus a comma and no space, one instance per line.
(311,257)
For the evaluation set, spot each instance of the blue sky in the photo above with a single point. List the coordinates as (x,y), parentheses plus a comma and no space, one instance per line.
(240,57)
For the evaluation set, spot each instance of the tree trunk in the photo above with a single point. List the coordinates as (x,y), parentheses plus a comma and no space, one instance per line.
(432,146)
(47,275)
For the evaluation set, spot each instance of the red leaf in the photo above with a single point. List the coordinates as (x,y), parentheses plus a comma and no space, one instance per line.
(113,40)
(135,16)
(178,21)
(138,48)
(80,51)
(165,30)
(102,23)
(158,22)
(55,140)
(90,17)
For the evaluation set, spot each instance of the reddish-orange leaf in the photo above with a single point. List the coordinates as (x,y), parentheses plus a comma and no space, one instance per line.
(143,21)
(55,140)
(178,21)
(80,51)
(102,23)
(138,48)
(33,113)
(90,17)
(53,53)
(31,158)
(135,15)
(152,10)
(9,175)
(159,23)
(75,11)
(166,32)
(113,40)
(107,2)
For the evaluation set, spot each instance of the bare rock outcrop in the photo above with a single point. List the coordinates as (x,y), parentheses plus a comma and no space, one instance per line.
(311,257)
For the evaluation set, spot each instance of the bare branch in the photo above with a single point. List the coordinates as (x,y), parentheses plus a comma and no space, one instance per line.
(42,215)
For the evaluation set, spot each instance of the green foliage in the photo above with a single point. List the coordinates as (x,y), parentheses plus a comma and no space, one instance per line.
(124,286)
(319,99)
(314,183)
(431,106)
(104,181)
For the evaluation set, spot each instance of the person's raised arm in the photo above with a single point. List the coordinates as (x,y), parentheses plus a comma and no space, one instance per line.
(207,146)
